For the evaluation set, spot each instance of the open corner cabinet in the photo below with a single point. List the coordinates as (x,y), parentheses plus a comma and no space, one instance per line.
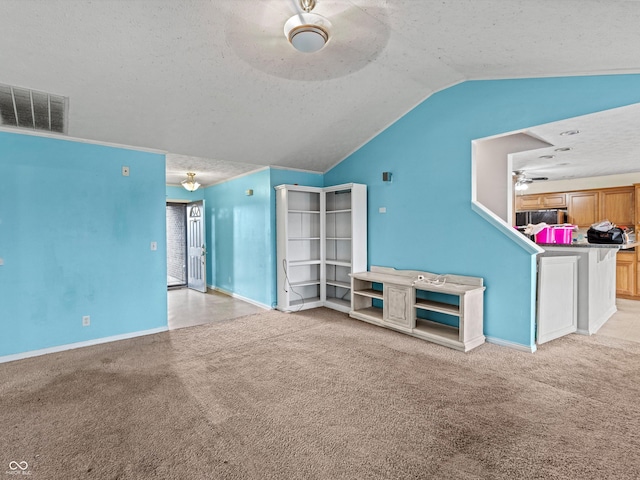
(321,239)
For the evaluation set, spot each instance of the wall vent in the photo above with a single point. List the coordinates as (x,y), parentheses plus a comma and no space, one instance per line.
(24,108)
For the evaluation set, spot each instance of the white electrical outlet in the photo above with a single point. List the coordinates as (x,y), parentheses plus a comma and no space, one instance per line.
(1,261)
(382,210)
(125,171)
(86,321)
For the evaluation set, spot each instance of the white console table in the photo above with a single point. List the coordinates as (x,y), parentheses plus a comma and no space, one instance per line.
(445,309)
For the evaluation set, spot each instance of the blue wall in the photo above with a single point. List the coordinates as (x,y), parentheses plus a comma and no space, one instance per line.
(75,237)
(241,233)
(429,224)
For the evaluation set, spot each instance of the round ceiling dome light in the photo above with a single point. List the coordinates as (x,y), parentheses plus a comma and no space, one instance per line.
(307,32)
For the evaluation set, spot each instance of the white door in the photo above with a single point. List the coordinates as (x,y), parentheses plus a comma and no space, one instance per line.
(196,247)
(557,297)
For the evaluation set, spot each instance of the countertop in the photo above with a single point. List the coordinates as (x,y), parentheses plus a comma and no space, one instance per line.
(623,246)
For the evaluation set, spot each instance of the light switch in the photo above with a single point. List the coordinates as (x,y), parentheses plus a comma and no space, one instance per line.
(154,246)
(1,261)
(382,210)
(125,171)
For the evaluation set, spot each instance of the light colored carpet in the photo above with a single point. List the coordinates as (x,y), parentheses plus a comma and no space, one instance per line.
(316,395)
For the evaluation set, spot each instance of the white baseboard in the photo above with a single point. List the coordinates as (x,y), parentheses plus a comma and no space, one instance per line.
(515,346)
(595,326)
(240,297)
(88,343)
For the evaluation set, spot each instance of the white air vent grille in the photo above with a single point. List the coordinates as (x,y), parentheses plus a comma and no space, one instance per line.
(24,108)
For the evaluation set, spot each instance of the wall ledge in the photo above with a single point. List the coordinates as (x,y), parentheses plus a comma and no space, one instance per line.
(510,232)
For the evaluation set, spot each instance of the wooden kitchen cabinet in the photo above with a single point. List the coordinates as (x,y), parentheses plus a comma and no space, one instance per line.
(554,200)
(542,201)
(528,202)
(583,208)
(617,205)
(626,271)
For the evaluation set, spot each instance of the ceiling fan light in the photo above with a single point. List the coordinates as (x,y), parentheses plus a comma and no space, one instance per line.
(307,32)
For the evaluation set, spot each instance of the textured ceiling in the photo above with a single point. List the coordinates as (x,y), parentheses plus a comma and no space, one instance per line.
(607,143)
(216,79)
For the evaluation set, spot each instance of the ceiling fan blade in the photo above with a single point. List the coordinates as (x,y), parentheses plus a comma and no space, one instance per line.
(358,35)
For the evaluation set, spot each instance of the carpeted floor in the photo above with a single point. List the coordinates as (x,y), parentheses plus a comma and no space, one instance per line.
(316,395)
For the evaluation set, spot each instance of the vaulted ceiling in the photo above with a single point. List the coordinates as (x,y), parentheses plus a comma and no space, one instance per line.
(216,84)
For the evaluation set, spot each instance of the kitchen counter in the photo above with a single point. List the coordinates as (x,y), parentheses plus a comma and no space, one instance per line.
(623,246)
(596,281)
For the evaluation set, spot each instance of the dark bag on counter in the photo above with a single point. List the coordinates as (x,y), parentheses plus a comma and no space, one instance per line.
(614,236)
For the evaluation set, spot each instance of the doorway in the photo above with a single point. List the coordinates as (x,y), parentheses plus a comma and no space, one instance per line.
(186,248)
(176,245)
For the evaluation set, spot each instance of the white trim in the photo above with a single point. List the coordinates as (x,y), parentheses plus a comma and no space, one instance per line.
(278,167)
(516,346)
(58,136)
(239,297)
(178,200)
(591,73)
(238,176)
(595,326)
(88,343)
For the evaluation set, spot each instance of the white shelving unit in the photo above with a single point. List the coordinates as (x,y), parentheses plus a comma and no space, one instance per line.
(321,239)
(445,309)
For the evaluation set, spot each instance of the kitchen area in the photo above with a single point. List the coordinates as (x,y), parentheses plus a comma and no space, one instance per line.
(579,280)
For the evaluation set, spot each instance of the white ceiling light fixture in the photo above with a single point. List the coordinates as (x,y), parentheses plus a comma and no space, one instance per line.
(307,32)
(190,183)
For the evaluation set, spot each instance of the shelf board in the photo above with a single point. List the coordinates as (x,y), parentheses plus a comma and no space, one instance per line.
(369,292)
(298,302)
(434,330)
(338,238)
(346,210)
(297,263)
(339,301)
(337,283)
(340,263)
(305,211)
(437,307)
(304,238)
(304,283)
(372,313)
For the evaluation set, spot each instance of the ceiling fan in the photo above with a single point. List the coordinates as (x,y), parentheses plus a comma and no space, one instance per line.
(522,181)
(308,39)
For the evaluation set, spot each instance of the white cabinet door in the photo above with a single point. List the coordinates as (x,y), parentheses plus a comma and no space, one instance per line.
(557,297)
(397,305)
